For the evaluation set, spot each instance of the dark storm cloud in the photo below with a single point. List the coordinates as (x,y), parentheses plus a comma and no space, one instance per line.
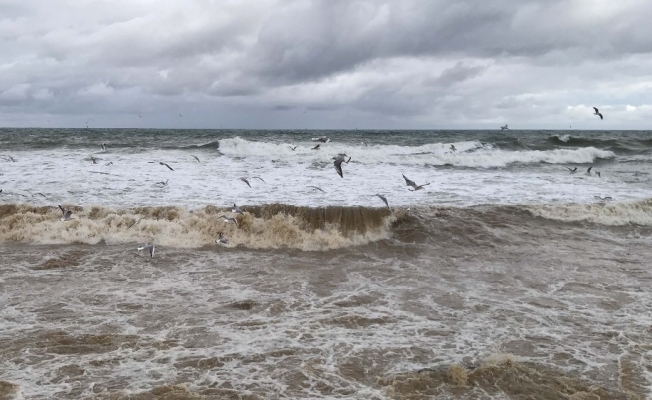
(415,63)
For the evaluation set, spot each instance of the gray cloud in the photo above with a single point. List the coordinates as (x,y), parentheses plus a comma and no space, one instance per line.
(411,64)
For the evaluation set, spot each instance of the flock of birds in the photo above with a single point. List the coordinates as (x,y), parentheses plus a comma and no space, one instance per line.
(338,160)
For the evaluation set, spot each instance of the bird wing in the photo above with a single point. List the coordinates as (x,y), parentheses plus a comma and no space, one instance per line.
(195,157)
(600,114)
(409,182)
(596,110)
(245,181)
(338,167)
(162,163)
(588,171)
(383,199)
(63,210)
(258,177)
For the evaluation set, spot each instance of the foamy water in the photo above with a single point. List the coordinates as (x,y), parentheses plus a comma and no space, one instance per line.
(505,278)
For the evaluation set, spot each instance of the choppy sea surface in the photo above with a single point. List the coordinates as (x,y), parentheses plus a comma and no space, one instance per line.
(506,277)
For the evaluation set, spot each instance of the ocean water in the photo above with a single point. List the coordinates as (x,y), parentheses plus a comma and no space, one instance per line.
(506,277)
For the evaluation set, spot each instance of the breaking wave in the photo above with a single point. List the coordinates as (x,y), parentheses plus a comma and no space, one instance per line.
(262,227)
(305,228)
(473,154)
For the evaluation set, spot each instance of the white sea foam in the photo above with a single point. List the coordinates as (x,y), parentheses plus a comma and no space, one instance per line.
(616,214)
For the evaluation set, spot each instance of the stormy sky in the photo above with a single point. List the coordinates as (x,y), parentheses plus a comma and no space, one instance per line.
(329,64)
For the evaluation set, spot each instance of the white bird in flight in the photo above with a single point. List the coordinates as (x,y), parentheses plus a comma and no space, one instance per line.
(67,214)
(149,247)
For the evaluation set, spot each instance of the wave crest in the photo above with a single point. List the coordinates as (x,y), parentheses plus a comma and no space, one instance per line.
(262,227)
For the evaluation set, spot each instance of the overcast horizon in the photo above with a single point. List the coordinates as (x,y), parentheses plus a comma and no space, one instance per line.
(422,65)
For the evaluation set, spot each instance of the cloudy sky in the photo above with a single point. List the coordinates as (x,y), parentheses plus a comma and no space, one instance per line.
(330,64)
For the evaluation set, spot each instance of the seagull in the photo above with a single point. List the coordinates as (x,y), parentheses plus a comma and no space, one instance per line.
(414,185)
(94,160)
(162,163)
(315,148)
(588,171)
(35,194)
(109,163)
(149,247)
(258,177)
(572,171)
(598,174)
(341,157)
(221,239)
(245,181)
(365,144)
(229,219)
(317,188)
(10,158)
(322,139)
(237,209)
(195,157)
(504,128)
(180,115)
(453,148)
(603,198)
(338,167)
(161,183)
(66,214)
(383,198)
(293,147)
(140,116)
(103,146)
(597,112)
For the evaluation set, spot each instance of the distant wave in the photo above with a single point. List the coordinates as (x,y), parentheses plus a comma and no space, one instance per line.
(468,154)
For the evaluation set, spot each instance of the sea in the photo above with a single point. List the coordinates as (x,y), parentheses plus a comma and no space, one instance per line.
(515,272)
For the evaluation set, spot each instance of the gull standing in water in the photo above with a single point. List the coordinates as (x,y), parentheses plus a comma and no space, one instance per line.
(383,198)
(245,181)
(416,187)
(229,219)
(597,112)
(67,214)
(149,247)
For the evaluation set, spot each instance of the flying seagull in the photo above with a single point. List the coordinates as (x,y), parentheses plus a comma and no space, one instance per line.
(94,160)
(597,112)
(229,219)
(245,181)
(504,128)
(237,209)
(10,158)
(383,198)
(258,177)
(572,171)
(139,116)
(195,157)
(598,174)
(293,147)
(453,148)
(317,188)
(149,247)
(322,139)
(316,147)
(66,214)
(588,171)
(162,163)
(416,187)
(338,167)
(603,198)
(221,239)
(103,146)
(109,163)
(161,183)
